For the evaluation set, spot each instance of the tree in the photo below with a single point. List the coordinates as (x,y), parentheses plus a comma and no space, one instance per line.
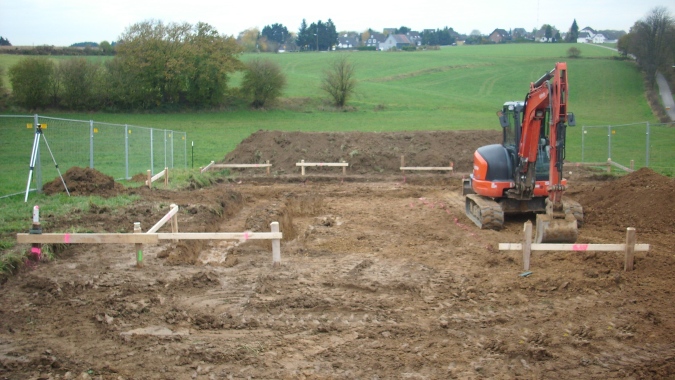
(160,65)
(303,39)
(652,41)
(31,79)
(573,33)
(80,81)
(4,42)
(276,34)
(548,33)
(402,30)
(263,82)
(338,81)
(106,48)
(248,40)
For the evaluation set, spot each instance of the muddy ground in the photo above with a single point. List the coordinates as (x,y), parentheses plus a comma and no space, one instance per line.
(382,277)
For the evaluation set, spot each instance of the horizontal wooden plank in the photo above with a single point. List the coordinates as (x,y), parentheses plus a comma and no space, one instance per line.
(87,238)
(220,236)
(426,168)
(571,247)
(241,165)
(166,218)
(322,164)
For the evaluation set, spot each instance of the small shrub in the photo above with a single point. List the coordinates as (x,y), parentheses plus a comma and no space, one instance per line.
(573,52)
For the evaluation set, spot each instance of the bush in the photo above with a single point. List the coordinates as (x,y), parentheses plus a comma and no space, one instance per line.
(32,79)
(80,82)
(263,82)
(573,52)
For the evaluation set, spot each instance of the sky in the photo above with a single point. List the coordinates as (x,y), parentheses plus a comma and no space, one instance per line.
(65,22)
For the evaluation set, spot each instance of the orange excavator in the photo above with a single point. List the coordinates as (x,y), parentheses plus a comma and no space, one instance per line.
(525,172)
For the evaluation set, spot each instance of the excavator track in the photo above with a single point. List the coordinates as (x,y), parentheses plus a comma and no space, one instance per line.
(484,212)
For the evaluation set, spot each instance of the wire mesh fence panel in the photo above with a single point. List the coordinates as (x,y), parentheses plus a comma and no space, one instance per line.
(120,151)
(638,145)
(16,145)
(138,140)
(662,148)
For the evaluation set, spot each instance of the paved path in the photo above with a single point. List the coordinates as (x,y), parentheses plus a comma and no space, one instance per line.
(666,95)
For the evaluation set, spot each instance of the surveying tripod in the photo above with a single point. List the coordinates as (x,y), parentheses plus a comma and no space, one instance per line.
(35,154)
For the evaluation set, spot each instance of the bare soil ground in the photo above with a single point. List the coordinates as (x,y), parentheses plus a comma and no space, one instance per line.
(382,277)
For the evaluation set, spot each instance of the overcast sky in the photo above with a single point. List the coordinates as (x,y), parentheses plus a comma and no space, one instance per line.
(64,22)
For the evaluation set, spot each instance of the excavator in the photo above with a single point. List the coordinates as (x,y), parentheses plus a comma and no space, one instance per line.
(524,173)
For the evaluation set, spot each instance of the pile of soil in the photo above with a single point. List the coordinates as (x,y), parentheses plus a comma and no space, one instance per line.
(366,152)
(643,199)
(84,181)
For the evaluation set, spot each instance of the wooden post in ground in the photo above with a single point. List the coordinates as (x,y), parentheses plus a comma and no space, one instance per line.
(344,168)
(268,168)
(609,165)
(166,177)
(36,248)
(632,164)
(174,222)
(527,244)
(138,246)
(149,178)
(630,249)
(276,245)
(302,170)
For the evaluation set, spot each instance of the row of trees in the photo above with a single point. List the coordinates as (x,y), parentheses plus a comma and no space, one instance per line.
(651,41)
(158,66)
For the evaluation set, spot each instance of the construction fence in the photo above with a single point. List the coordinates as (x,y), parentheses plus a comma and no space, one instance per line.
(639,144)
(118,150)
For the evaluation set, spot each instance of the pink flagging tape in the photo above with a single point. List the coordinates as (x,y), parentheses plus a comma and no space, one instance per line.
(580,247)
(35,250)
(246,235)
(66,238)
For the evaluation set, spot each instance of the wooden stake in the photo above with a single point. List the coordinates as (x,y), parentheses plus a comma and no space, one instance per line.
(303,167)
(166,177)
(174,222)
(149,182)
(403,164)
(527,243)
(268,168)
(630,249)
(609,165)
(276,245)
(632,164)
(139,246)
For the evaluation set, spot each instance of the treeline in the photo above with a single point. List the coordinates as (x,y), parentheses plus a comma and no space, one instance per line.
(651,41)
(168,66)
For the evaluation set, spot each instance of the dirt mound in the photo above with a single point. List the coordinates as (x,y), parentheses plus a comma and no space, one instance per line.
(643,199)
(84,181)
(366,152)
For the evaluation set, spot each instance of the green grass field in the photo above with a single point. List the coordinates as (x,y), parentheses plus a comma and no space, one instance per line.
(454,88)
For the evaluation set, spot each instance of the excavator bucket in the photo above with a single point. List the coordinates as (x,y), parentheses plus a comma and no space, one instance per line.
(556,230)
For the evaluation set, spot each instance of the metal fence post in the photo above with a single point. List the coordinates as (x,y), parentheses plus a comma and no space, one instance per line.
(165,148)
(126,151)
(609,141)
(91,144)
(583,137)
(37,169)
(152,153)
(647,154)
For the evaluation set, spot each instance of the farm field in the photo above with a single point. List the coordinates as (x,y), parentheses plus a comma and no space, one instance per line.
(381,276)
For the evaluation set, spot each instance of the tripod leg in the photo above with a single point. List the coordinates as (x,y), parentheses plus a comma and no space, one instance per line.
(33,156)
(55,164)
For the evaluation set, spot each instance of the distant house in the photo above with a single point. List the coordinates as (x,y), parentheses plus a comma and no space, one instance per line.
(520,33)
(395,41)
(375,40)
(346,42)
(584,38)
(599,39)
(415,38)
(499,36)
